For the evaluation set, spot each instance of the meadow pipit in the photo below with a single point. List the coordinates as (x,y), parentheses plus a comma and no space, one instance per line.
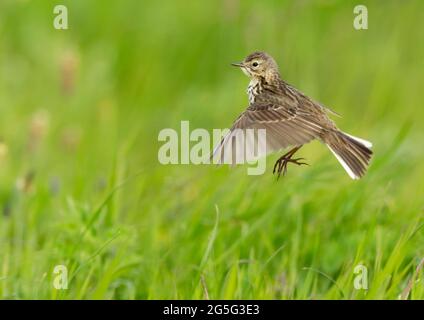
(290,118)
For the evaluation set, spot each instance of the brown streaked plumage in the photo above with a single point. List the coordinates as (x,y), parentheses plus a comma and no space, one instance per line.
(290,119)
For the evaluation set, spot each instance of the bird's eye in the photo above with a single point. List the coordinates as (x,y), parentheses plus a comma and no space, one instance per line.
(255,64)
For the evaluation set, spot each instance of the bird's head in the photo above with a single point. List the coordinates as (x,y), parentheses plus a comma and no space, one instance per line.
(259,65)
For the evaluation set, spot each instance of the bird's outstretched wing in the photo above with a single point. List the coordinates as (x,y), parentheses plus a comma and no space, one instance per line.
(284,124)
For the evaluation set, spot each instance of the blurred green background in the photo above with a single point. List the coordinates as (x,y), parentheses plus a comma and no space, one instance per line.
(81,186)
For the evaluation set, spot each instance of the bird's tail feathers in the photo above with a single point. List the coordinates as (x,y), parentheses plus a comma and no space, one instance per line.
(353,153)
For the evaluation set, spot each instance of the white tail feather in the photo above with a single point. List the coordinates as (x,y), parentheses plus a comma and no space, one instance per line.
(344,165)
(366,143)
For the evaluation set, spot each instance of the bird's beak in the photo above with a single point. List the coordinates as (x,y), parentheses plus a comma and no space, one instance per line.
(238,64)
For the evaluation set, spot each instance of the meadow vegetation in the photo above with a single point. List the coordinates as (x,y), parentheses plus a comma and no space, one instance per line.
(81,185)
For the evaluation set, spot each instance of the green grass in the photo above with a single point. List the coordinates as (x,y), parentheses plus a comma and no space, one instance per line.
(80,184)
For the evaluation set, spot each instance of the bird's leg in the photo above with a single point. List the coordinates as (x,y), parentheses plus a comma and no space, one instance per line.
(281,163)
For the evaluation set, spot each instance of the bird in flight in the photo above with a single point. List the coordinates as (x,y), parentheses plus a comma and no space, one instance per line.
(289,118)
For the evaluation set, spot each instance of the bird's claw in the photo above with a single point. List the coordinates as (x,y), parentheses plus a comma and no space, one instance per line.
(281,165)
